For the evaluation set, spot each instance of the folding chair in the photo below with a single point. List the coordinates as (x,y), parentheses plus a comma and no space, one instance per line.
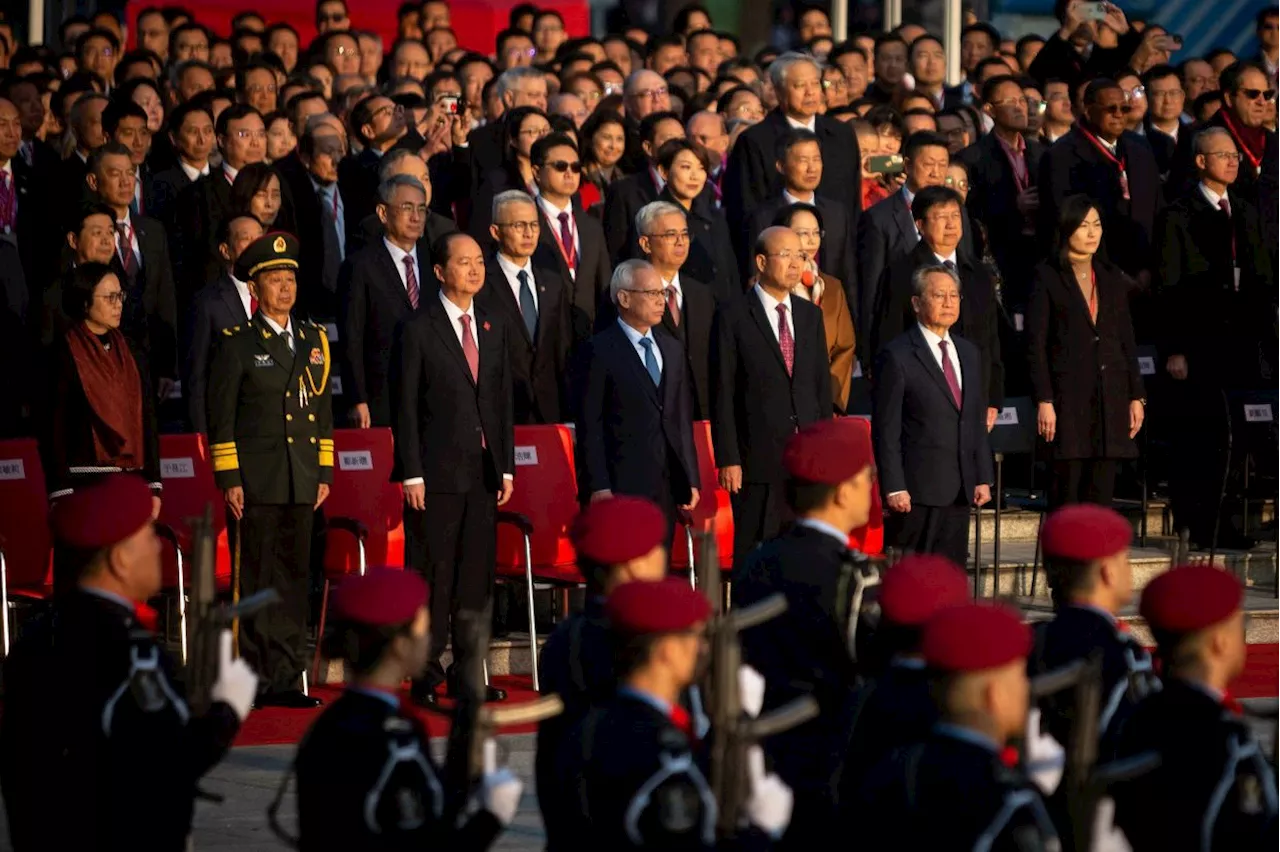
(868,539)
(533,528)
(26,550)
(186,469)
(1014,434)
(364,515)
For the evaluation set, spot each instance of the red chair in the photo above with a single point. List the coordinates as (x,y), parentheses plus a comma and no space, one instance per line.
(870,538)
(26,549)
(533,528)
(713,511)
(364,515)
(186,469)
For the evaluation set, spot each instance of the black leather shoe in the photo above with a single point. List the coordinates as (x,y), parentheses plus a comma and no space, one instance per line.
(292,699)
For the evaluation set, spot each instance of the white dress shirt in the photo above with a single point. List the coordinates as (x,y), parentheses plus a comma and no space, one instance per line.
(933,340)
(951,257)
(512,272)
(397,260)
(675,284)
(553,216)
(229,172)
(133,239)
(635,337)
(811,125)
(193,174)
(771,312)
(242,290)
(1212,197)
(791,199)
(286,332)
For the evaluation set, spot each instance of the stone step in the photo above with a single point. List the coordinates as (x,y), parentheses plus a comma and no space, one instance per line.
(1021,522)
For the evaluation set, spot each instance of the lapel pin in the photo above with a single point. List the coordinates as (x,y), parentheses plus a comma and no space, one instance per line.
(486,326)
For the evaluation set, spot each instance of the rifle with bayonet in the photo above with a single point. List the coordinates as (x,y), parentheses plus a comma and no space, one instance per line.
(732,731)
(207,617)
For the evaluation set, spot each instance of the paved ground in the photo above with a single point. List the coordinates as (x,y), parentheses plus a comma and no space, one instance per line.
(249,777)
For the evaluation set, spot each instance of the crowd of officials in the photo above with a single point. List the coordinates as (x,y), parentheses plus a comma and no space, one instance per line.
(257,239)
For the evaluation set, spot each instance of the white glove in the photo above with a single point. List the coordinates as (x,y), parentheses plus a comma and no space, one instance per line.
(1046,759)
(500,789)
(751,690)
(1107,836)
(771,800)
(236,685)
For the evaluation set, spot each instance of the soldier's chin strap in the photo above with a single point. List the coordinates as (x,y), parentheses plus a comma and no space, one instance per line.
(857,576)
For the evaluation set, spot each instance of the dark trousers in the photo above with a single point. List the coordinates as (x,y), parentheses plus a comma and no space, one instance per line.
(759,512)
(931,529)
(1200,447)
(453,542)
(275,553)
(1083,481)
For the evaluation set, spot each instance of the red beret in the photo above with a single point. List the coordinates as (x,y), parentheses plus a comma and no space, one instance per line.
(104,513)
(380,598)
(618,529)
(667,606)
(829,452)
(974,637)
(919,586)
(1084,532)
(1190,598)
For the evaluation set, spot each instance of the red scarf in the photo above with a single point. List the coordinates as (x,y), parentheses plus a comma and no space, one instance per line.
(1252,140)
(113,389)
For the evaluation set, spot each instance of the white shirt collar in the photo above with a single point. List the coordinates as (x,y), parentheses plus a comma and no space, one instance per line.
(1162,131)
(674,283)
(229,172)
(771,304)
(287,330)
(657,178)
(242,290)
(908,196)
(7,168)
(192,172)
(633,334)
(951,257)
(810,125)
(509,268)
(932,339)
(823,527)
(454,312)
(553,212)
(1212,196)
(791,199)
(398,254)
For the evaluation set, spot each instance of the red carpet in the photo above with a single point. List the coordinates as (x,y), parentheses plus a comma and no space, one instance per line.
(273,726)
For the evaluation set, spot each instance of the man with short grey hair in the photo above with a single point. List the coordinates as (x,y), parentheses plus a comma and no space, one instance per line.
(930,408)
(634,426)
(369,230)
(751,175)
(533,302)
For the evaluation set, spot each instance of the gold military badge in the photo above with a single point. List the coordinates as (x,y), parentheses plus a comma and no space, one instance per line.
(278,245)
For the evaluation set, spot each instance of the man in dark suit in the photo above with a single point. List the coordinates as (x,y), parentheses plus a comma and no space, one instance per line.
(1114,167)
(141,260)
(225,302)
(691,305)
(515,87)
(801,164)
(931,433)
(1003,169)
(455,436)
(752,175)
(635,428)
(191,131)
(770,377)
(378,124)
(370,229)
(1216,287)
(1162,126)
(887,231)
(126,123)
(379,287)
(936,210)
(625,196)
(533,302)
(25,218)
(321,216)
(569,240)
(85,119)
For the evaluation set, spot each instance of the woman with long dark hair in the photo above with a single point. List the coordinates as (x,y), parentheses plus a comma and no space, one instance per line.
(1083,360)
(522,127)
(604,142)
(258,191)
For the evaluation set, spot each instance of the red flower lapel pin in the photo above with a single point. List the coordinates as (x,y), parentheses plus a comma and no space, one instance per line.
(486,326)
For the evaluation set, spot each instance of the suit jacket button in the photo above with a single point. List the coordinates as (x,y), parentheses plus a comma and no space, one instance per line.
(286,394)
(289,439)
(312,440)
(288,417)
(311,417)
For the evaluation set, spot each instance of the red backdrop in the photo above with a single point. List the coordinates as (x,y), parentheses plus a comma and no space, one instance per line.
(476,22)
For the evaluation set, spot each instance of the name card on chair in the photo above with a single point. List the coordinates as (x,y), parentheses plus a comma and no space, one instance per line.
(1146,365)
(1007,417)
(331,330)
(12,469)
(357,460)
(335,385)
(526,456)
(177,469)
(1258,413)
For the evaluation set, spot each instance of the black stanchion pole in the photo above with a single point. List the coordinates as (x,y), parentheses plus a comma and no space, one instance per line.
(997,498)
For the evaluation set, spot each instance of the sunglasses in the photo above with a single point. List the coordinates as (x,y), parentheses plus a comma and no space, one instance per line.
(565,166)
(1117,109)
(333,18)
(1254,94)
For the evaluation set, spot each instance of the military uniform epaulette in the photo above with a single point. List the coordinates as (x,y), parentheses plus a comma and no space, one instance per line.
(318,326)
(234,330)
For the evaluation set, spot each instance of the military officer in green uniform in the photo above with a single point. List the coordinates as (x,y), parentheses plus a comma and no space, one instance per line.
(271,429)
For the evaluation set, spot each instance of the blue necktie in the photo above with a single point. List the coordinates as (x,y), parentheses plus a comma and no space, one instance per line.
(528,308)
(651,360)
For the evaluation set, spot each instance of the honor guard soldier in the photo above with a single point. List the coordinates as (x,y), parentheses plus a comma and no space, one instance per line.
(1214,789)
(894,709)
(366,779)
(806,651)
(631,764)
(1086,558)
(271,427)
(959,789)
(618,540)
(98,749)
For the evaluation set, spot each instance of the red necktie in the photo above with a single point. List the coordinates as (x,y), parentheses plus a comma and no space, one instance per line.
(949,373)
(469,349)
(785,341)
(1231,705)
(1009,756)
(147,617)
(566,240)
(681,719)
(411,281)
(127,259)
(673,306)
(8,204)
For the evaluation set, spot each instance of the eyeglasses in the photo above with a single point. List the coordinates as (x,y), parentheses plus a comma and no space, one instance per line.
(257,89)
(408,209)
(116,298)
(656,295)
(1136,93)
(251,134)
(962,185)
(810,233)
(1160,94)
(785,256)
(650,94)
(837,83)
(1010,102)
(565,166)
(1254,94)
(671,236)
(520,227)
(535,132)
(1225,156)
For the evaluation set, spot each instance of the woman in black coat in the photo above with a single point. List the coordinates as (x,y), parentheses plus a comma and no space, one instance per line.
(684,166)
(522,127)
(1083,360)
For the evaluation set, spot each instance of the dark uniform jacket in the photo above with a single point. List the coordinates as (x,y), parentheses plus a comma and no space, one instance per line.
(270,413)
(888,712)
(217,307)
(1074,634)
(366,781)
(87,730)
(952,792)
(1214,789)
